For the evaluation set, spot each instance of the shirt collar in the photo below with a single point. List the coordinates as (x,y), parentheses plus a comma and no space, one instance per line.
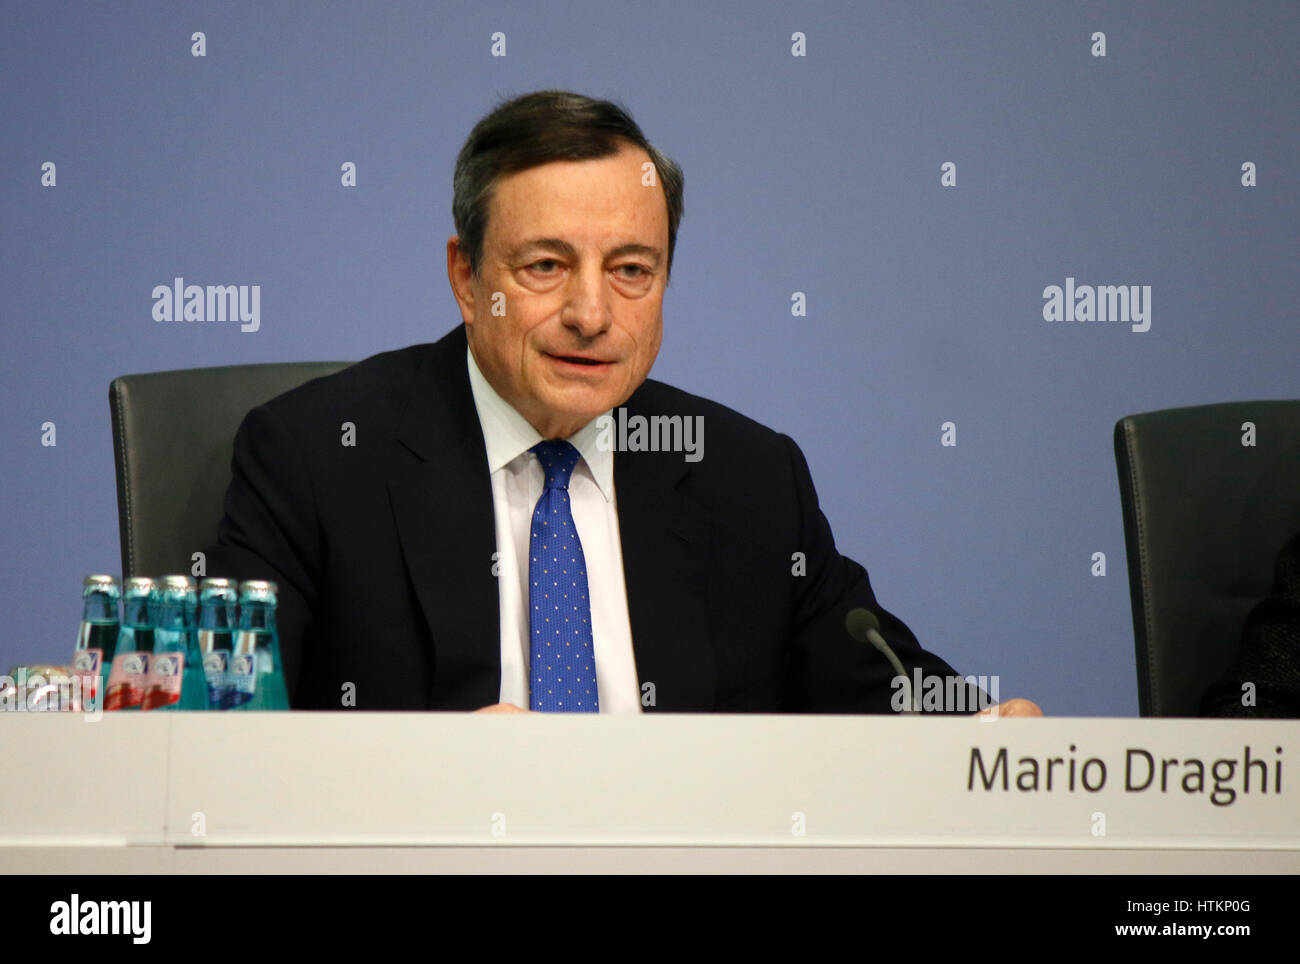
(507,434)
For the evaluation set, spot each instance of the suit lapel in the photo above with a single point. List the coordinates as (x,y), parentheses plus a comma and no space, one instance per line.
(665,541)
(443,511)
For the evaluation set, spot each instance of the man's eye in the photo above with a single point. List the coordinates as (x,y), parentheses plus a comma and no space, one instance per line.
(638,271)
(544,265)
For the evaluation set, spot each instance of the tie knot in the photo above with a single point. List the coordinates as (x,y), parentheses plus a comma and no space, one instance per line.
(558,458)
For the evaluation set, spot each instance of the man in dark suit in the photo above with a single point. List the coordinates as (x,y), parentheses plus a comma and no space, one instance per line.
(403,504)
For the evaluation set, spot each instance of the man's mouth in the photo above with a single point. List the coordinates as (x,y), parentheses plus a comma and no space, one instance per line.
(580,360)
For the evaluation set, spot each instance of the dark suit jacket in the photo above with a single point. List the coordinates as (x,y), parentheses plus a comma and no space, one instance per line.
(1269,656)
(383,552)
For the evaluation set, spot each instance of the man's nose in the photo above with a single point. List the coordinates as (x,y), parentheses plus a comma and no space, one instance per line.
(588,309)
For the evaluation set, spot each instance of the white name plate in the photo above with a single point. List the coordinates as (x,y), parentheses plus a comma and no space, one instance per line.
(437,779)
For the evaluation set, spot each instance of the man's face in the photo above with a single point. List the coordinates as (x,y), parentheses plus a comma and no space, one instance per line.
(566,315)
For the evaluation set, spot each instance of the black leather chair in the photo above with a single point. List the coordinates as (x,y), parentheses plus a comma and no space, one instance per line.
(1204,518)
(173,434)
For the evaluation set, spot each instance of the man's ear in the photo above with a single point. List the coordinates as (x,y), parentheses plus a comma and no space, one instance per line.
(461,279)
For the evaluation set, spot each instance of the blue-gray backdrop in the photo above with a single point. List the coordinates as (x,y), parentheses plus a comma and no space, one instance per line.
(1148,144)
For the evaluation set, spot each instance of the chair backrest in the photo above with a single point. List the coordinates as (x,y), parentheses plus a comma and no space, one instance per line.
(1205,515)
(173,435)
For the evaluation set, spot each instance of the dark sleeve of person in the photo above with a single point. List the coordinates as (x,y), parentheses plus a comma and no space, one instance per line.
(830,672)
(1269,657)
(269,529)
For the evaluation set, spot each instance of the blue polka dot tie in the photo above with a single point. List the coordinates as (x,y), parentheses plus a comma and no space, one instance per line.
(562,674)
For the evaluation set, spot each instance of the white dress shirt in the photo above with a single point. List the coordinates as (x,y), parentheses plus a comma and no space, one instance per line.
(517,482)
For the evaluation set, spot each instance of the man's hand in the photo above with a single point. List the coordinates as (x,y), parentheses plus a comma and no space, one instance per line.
(1014,707)
(509,708)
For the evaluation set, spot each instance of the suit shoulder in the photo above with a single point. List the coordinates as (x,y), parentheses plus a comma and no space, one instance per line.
(735,467)
(735,434)
(377,383)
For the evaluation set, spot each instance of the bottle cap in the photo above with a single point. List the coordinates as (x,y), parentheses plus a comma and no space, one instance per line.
(219,588)
(178,584)
(258,589)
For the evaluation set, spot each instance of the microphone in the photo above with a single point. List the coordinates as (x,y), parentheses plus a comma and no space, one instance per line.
(863,626)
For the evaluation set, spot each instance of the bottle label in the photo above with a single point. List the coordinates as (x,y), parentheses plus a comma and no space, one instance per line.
(215,669)
(87,660)
(163,687)
(126,680)
(243,678)
(85,666)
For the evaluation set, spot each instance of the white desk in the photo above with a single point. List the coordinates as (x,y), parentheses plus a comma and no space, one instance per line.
(347,792)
